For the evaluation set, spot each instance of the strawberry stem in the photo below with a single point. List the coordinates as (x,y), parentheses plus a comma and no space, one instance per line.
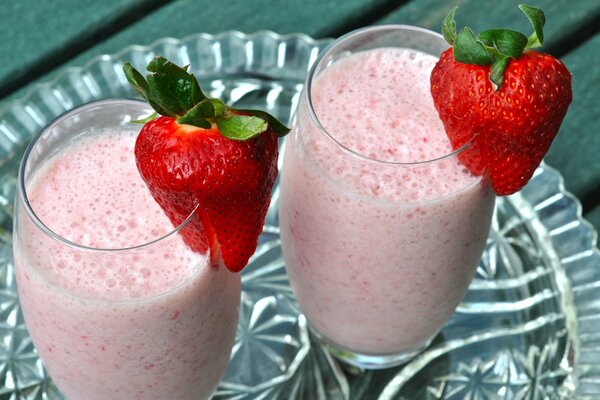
(174,92)
(495,47)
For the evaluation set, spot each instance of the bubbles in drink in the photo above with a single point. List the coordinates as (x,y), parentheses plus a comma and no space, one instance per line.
(121,214)
(356,109)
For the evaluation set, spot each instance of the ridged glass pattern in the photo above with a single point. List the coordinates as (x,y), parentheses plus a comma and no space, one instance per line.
(529,327)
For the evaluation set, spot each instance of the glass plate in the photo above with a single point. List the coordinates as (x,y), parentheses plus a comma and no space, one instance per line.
(528,328)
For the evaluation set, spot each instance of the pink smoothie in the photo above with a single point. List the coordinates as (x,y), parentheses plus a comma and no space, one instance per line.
(156,322)
(379,254)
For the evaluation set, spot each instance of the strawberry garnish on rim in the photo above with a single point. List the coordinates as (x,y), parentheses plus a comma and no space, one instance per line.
(199,156)
(492,90)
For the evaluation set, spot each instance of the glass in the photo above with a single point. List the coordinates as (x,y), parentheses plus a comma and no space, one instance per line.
(147,319)
(379,251)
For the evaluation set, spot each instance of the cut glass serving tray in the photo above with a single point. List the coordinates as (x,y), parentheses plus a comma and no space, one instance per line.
(529,327)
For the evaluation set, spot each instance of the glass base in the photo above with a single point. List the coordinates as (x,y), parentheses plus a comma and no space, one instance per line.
(368,361)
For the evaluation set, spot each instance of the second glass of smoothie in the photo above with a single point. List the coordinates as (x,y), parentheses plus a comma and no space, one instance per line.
(382,226)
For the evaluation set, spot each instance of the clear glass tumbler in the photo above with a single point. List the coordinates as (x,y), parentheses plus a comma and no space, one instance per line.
(116,307)
(382,226)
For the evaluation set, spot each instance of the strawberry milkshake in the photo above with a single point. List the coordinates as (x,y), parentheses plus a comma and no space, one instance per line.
(382,227)
(116,304)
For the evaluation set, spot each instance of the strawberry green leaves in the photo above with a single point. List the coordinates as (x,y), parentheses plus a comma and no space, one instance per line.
(198,115)
(449,27)
(173,87)
(469,50)
(172,91)
(279,128)
(241,127)
(504,41)
(502,44)
(537,19)
(493,47)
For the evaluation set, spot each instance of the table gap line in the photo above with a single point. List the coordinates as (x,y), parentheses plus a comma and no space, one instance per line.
(590,200)
(585,31)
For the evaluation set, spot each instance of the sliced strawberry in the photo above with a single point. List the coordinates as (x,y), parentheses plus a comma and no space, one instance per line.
(505,99)
(206,158)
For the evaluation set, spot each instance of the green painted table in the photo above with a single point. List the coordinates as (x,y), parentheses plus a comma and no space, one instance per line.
(42,38)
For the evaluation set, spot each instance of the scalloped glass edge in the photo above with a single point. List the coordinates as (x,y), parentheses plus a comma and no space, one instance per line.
(19,115)
(545,193)
(578,265)
(152,47)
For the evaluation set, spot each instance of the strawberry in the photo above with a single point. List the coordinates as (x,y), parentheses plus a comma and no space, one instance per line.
(507,100)
(203,157)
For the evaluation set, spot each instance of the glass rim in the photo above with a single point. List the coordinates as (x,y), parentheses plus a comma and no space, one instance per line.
(315,119)
(47,230)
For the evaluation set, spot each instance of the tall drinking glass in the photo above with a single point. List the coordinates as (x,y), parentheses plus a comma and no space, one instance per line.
(116,304)
(382,226)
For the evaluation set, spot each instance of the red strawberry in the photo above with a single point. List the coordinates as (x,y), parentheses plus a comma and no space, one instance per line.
(206,158)
(506,98)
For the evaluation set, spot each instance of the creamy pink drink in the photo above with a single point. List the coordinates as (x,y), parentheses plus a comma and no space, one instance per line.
(144,318)
(382,228)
